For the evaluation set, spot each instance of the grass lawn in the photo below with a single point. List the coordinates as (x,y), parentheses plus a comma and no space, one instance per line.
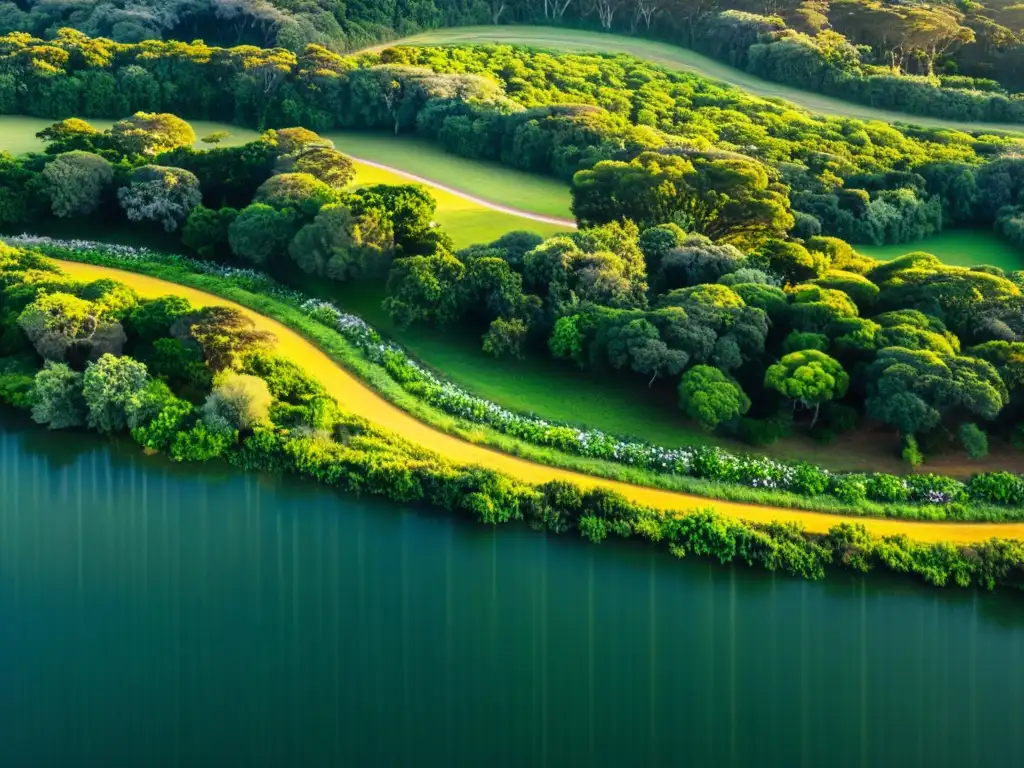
(466,221)
(488,181)
(678,58)
(961,247)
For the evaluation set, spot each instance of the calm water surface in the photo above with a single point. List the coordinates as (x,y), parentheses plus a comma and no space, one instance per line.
(151,615)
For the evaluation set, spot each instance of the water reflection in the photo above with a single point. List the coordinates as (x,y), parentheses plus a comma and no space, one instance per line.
(155,616)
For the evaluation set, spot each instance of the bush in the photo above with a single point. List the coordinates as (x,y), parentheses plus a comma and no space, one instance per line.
(911,452)
(974,440)
(887,488)
(997,488)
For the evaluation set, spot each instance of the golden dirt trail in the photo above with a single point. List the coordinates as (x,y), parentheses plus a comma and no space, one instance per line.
(356,397)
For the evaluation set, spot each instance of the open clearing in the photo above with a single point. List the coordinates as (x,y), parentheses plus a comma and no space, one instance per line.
(467,221)
(678,58)
(960,247)
(353,395)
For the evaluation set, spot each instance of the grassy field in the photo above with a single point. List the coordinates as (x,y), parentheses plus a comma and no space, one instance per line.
(677,58)
(489,181)
(960,247)
(466,221)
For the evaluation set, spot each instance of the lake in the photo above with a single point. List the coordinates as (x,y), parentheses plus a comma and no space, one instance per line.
(153,614)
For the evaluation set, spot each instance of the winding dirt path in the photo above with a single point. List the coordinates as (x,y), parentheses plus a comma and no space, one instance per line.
(353,395)
(466,196)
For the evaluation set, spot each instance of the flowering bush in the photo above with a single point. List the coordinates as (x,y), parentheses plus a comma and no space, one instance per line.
(708,463)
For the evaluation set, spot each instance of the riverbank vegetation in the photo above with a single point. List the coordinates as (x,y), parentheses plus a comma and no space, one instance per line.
(203,384)
(703,471)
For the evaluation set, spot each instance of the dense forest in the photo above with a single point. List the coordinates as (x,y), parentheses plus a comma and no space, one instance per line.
(865,182)
(958,60)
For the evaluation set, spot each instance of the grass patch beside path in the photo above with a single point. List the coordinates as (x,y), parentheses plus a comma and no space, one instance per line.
(488,181)
(678,58)
(959,247)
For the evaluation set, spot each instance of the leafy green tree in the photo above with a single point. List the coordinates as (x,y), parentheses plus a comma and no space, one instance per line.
(160,194)
(260,234)
(567,339)
(76,183)
(506,337)
(161,431)
(424,289)
(808,377)
(694,261)
(299,192)
(71,135)
(490,288)
(206,230)
(323,163)
(710,398)
(116,393)
(913,390)
(411,209)
(638,345)
(225,334)
(57,322)
(791,261)
(974,440)
(150,134)
(153,318)
(728,199)
(57,397)
(343,246)
(238,402)
(797,341)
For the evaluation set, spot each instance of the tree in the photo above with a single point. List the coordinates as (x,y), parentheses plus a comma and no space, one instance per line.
(238,402)
(343,246)
(260,234)
(150,134)
(791,261)
(300,192)
(151,319)
(728,199)
(206,230)
(116,393)
(638,345)
(424,289)
(710,397)
(410,207)
(76,183)
(224,333)
(161,194)
(57,397)
(913,390)
(506,337)
(69,135)
(215,138)
(323,163)
(694,261)
(974,440)
(57,322)
(808,377)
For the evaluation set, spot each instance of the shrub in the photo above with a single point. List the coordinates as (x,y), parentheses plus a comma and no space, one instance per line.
(593,528)
(887,488)
(911,452)
(974,440)
(997,488)
(851,489)
(201,444)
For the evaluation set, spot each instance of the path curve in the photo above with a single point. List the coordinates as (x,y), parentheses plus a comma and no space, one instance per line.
(675,57)
(465,195)
(356,397)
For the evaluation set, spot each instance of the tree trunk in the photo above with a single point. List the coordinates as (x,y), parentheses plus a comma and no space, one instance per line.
(817,408)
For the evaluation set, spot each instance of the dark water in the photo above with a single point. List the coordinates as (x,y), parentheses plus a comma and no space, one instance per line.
(153,616)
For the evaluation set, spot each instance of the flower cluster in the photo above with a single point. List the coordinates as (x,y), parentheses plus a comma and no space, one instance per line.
(708,463)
